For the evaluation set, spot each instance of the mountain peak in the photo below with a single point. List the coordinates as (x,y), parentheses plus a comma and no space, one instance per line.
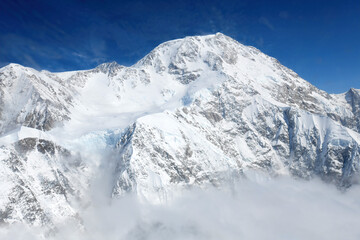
(197,110)
(180,54)
(109,67)
(353,90)
(352,93)
(12,66)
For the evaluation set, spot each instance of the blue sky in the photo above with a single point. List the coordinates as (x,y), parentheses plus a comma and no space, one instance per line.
(320,40)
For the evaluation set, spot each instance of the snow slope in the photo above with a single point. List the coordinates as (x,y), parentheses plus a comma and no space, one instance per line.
(194,111)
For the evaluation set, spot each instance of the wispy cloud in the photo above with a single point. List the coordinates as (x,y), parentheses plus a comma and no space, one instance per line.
(29,61)
(284,14)
(266,22)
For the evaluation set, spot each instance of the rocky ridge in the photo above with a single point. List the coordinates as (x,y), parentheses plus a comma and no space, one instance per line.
(195,111)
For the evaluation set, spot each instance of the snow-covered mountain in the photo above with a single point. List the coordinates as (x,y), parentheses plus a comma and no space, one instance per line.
(194,111)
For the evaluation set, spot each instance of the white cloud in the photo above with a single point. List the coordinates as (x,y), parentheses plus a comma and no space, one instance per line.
(271,209)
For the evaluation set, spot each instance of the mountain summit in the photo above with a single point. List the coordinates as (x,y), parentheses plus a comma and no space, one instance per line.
(195,111)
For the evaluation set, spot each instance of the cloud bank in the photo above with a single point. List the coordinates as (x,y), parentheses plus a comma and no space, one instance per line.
(249,209)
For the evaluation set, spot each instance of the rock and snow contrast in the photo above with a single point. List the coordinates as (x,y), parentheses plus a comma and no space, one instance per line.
(196,111)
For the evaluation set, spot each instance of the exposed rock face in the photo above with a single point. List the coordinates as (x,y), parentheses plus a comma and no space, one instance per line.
(208,142)
(194,111)
(31,99)
(39,182)
(352,97)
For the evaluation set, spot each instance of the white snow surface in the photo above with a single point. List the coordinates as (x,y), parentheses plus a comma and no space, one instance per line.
(194,111)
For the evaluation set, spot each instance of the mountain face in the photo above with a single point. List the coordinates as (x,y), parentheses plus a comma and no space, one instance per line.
(39,181)
(195,111)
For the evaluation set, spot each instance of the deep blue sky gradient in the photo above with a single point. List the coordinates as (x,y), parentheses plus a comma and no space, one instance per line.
(320,40)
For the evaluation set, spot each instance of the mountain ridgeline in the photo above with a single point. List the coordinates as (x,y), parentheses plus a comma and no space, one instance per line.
(196,111)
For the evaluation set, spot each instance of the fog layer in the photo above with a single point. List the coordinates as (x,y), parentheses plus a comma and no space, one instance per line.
(269,209)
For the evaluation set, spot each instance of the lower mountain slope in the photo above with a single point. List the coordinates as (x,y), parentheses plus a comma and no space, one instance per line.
(41,183)
(196,111)
(221,136)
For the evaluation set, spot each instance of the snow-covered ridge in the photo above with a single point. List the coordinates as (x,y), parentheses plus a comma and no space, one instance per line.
(194,111)
(166,78)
